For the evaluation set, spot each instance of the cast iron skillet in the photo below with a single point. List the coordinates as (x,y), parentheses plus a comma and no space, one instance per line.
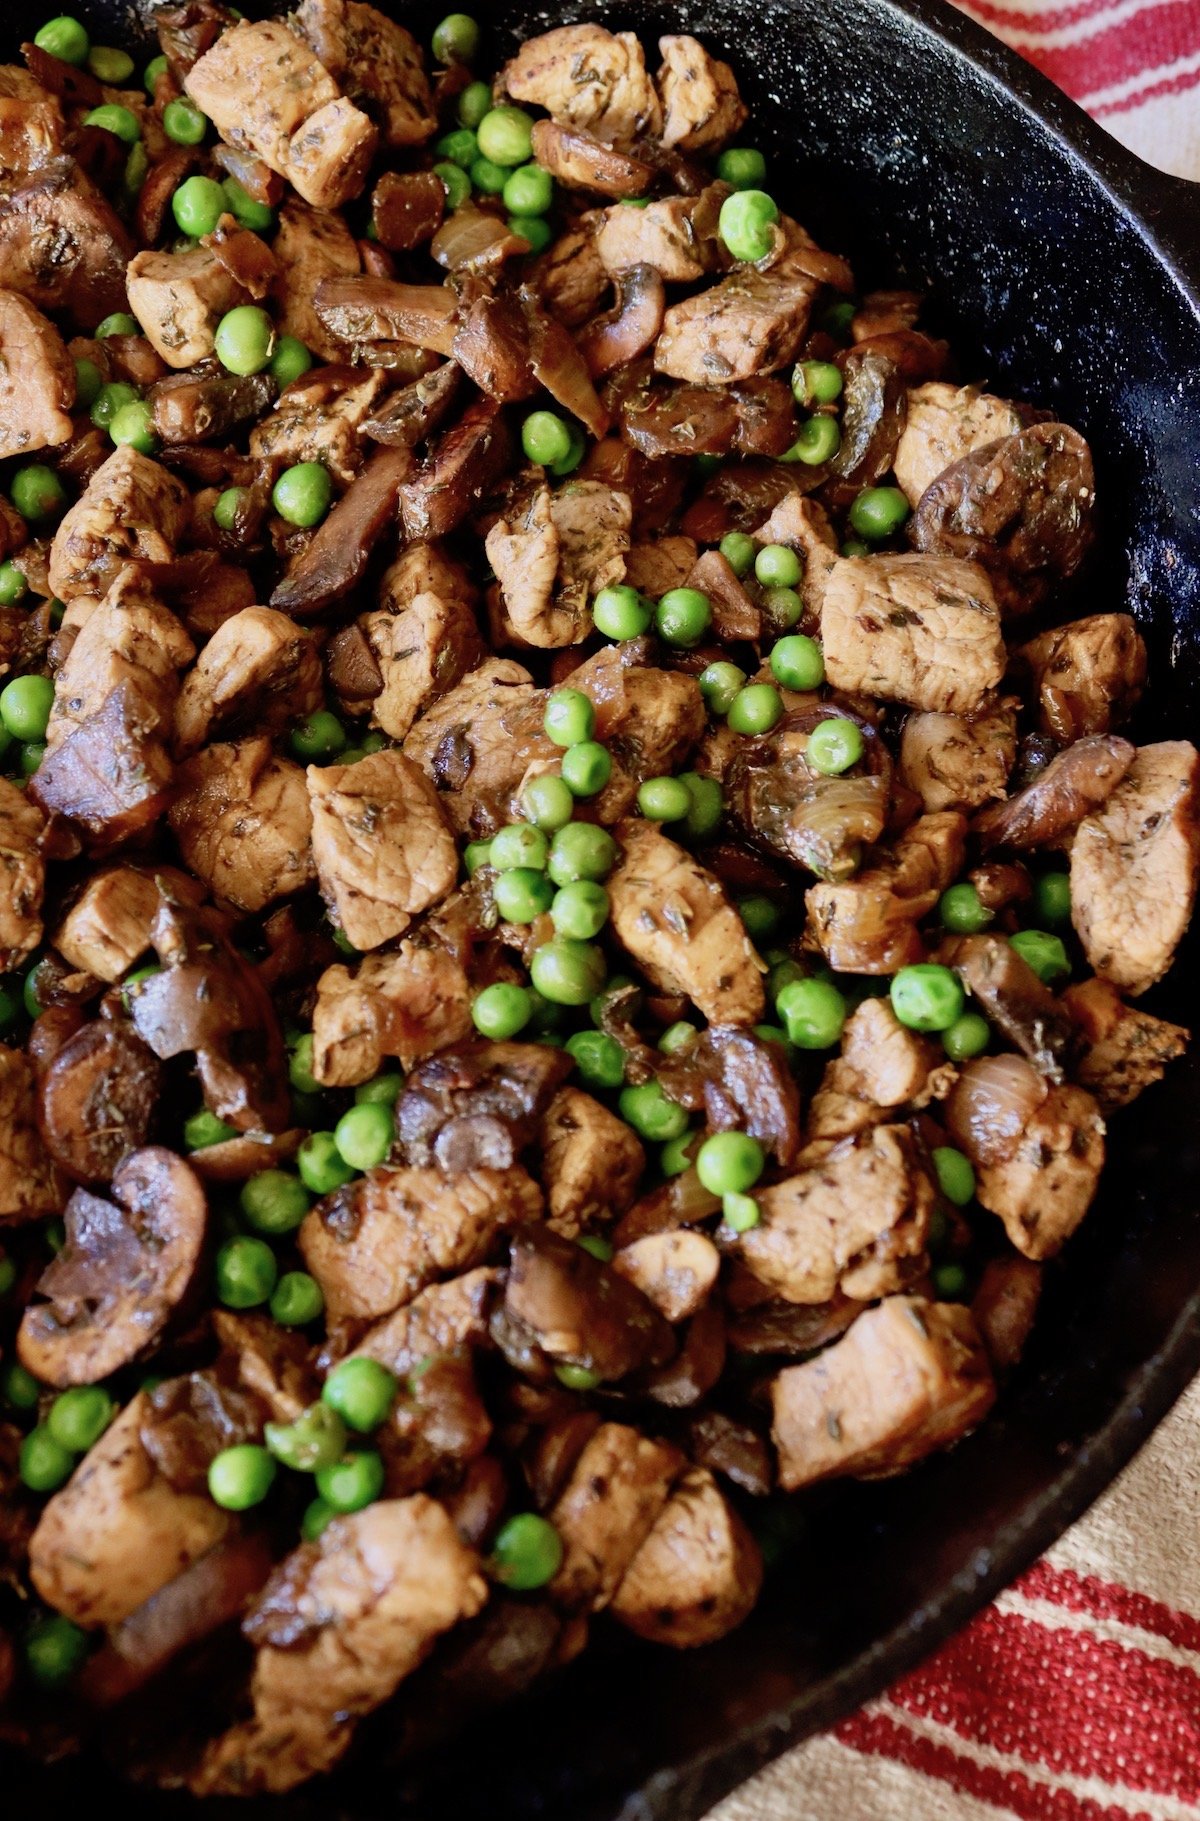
(1070,274)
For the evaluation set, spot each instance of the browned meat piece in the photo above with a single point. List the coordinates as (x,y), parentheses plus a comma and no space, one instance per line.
(1124,1051)
(924,630)
(582,161)
(1044,1186)
(753,321)
(855,1220)
(702,109)
(407,209)
(676,235)
(438,1425)
(179,298)
(675,1271)
(697,1575)
(478,741)
(62,245)
(629,330)
(337,1628)
(242,819)
(910,1377)
(125,1267)
(22,876)
(98,1098)
(868,925)
(570,277)
(259,672)
(459,470)
(311,244)
(382,848)
(883,1065)
(654,568)
(1047,811)
(272,1363)
(203,405)
(132,508)
(1087,676)
(37,379)
(130,640)
(477,1106)
(375,61)
(29,1184)
(649,719)
(266,93)
(675,920)
(943,424)
(1013,998)
(440,1319)
(589,78)
(1022,508)
(579,1311)
(190,1419)
(109,924)
(111,776)
(755,418)
(319,419)
(406,1003)
(814,821)
(1134,867)
(617,1488)
(554,553)
(117,1531)
(591,1163)
(1004,1307)
(421,651)
(804,526)
(957,761)
(375,1244)
(32,127)
(208,1001)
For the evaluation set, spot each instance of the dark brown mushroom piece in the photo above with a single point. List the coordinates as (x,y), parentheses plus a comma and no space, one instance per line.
(477,1107)
(874,409)
(681,1201)
(335,559)
(656,488)
(631,327)
(437,1424)
(416,411)
(790,1330)
(237,1159)
(353,669)
(134,359)
(246,257)
(757,417)
(724,1445)
(491,346)
(206,1000)
(695,1369)
(580,161)
(364,309)
(916,357)
(77,87)
(189,1420)
(475,241)
(111,776)
(1046,812)
(1023,508)
(741,495)
(97,1100)
(559,366)
(1012,997)
(207,402)
(260,183)
(125,1267)
(407,208)
(465,462)
(816,822)
(188,29)
(741,1082)
(580,1312)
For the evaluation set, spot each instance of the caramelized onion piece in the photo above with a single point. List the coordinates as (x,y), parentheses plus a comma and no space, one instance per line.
(992,1102)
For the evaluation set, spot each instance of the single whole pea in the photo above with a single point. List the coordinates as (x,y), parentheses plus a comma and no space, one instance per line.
(361,1391)
(778,566)
(302,493)
(664,799)
(926,996)
(729,1163)
(738,549)
(506,136)
(274,1201)
(296,1300)
(321,1165)
(501,1011)
(879,512)
(797,662)
(719,683)
(522,894)
(527,1552)
(567,972)
(742,167)
(548,802)
(834,746)
(819,440)
(755,709)
(244,343)
(598,1057)
(241,1477)
(683,616)
(621,613)
(746,223)
(963,911)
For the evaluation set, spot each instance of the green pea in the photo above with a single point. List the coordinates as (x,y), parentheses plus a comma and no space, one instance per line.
(580,910)
(678,1036)
(836,320)
(317,1438)
(1052,896)
(274,1201)
(548,802)
(527,1553)
(816,382)
(818,442)
(651,1114)
(569,718)
(719,685)
(302,494)
(488,177)
(456,182)
(741,167)
(244,344)
(506,136)
(362,1392)
(88,381)
(529,190)
(297,1300)
(620,612)
(363,1136)
(738,549)
(321,1165)
(110,66)
(783,608)
(109,400)
(675,1156)
(598,1057)
(955,1176)
(950,1282)
(79,1417)
(198,205)
(55,1648)
(43,1463)
(574,455)
(501,1011)
(25,706)
(581,851)
(708,805)
(567,972)
(760,915)
(519,844)
(577,1378)
(545,437)
(241,1477)
(13,585)
(813,1013)
(745,224)
(64,38)
(522,894)
(157,66)
(134,424)
(459,147)
(32,754)
(474,102)
(37,493)
(204,1129)
(8,1274)
(1041,950)
(318,1515)
(113,118)
(586,768)
(352,1483)
(683,616)
(456,39)
(729,1163)
(183,122)
(740,1212)
(879,512)
(383,1090)
(855,547)
(926,997)
(318,738)
(19,1389)
(664,799)
(968,1036)
(246,1273)
(300,1066)
(778,566)
(834,746)
(962,910)
(756,709)
(539,234)
(798,662)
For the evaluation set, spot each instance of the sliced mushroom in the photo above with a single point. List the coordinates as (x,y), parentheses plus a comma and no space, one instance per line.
(336,559)
(1014,999)
(126,1266)
(413,413)
(580,161)
(457,472)
(631,327)
(362,309)
(97,1099)
(1072,785)
(580,1312)
(407,208)
(756,417)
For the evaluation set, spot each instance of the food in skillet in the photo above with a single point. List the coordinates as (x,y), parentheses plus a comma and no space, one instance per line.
(576,877)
